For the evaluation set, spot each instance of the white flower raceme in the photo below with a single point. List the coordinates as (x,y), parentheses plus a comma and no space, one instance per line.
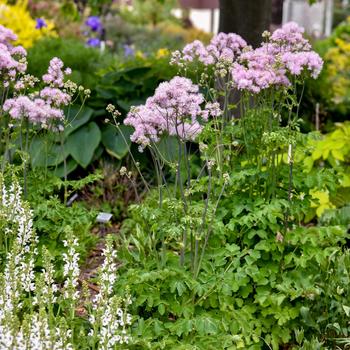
(18,275)
(71,270)
(35,296)
(109,320)
(35,334)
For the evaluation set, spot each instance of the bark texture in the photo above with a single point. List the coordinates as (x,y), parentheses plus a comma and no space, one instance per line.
(248,18)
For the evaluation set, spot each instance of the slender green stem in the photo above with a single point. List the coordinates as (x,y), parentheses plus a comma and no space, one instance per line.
(26,158)
(209,231)
(64,170)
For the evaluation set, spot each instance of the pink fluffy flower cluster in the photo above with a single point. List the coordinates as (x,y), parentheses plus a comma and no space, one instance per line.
(12,58)
(39,107)
(46,106)
(223,46)
(174,109)
(285,55)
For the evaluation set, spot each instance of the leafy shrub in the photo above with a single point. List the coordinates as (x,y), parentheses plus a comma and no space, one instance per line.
(85,62)
(257,284)
(330,152)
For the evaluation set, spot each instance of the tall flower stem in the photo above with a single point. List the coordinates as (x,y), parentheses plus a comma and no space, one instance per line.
(204,215)
(64,169)
(26,157)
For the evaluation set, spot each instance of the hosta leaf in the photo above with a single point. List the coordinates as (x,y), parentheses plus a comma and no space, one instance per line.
(168,148)
(76,116)
(117,140)
(45,152)
(71,165)
(82,143)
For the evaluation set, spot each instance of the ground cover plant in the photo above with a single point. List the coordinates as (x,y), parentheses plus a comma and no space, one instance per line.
(238,238)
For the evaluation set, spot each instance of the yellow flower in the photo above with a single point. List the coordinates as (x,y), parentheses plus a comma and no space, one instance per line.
(162,52)
(18,18)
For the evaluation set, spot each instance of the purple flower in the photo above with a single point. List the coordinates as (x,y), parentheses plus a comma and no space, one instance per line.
(128,51)
(94,23)
(40,23)
(93,42)
(37,110)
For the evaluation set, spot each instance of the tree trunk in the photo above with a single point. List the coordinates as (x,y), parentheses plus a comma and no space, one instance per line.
(248,18)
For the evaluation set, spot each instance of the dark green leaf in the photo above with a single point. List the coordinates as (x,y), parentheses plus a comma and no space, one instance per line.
(82,143)
(117,140)
(77,116)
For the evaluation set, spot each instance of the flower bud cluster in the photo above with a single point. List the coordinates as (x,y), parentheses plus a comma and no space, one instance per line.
(109,319)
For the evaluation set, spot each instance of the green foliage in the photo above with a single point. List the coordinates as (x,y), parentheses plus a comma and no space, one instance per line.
(258,284)
(149,12)
(331,89)
(330,151)
(52,217)
(85,62)
(130,83)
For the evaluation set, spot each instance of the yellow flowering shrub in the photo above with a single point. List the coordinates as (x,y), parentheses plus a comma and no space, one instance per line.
(337,61)
(18,18)
(187,34)
(339,70)
(331,150)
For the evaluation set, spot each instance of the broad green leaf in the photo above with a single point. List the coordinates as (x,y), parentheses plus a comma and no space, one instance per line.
(168,149)
(161,309)
(76,116)
(82,143)
(45,152)
(61,171)
(206,325)
(117,140)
